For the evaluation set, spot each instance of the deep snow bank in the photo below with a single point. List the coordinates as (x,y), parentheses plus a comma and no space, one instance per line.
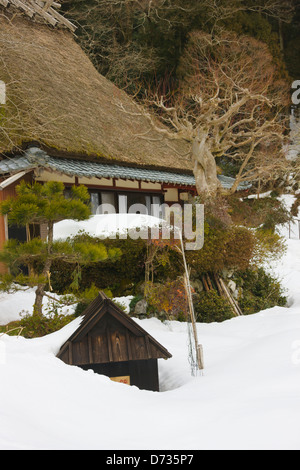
(248,397)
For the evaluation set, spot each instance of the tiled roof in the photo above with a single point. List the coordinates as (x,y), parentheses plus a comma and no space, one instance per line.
(35,157)
(227,182)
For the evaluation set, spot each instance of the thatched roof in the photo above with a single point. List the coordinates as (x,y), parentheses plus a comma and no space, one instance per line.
(57,99)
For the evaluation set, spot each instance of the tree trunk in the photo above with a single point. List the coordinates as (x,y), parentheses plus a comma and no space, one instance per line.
(38,304)
(40,291)
(205,168)
(238,177)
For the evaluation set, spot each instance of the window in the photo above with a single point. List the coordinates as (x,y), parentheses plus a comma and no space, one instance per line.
(103,202)
(155,208)
(140,203)
(95,202)
(122,203)
(107,202)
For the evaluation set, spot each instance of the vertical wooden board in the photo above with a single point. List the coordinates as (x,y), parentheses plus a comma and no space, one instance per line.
(99,348)
(80,352)
(70,352)
(91,356)
(138,346)
(65,356)
(109,345)
(128,343)
(147,344)
(155,353)
(118,344)
(99,342)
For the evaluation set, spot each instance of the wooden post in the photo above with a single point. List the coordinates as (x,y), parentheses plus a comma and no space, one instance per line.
(206,286)
(233,303)
(187,284)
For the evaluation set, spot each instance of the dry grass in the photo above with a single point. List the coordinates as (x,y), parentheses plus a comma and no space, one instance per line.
(57,98)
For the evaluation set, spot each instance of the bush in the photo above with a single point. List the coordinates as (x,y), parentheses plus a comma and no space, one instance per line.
(210,307)
(296,206)
(120,275)
(168,299)
(260,291)
(34,326)
(224,248)
(87,296)
(265,213)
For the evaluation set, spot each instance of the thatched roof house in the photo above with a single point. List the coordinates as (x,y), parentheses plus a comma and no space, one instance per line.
(56,97)
(61,120)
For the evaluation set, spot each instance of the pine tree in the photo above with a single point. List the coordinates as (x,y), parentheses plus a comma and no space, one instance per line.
(46,204)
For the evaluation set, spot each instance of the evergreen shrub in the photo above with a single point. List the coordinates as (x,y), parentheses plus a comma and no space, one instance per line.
(119,274)
(266,212)
(260,291)
(210,307)
(35,326)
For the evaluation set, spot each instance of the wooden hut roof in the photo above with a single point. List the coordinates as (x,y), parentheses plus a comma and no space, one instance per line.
(107,334)
(56,99)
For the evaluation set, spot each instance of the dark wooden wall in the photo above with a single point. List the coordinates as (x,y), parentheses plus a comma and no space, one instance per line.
(143,374)
(109,341)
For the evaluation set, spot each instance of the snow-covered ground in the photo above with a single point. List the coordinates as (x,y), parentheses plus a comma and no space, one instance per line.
(247,398)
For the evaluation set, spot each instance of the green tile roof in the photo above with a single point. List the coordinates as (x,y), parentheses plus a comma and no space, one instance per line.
(35,157)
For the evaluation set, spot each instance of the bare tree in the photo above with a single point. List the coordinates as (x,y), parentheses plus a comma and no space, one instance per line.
(230,104)
(219,10)
(116,34)
(134,41)
(293,148)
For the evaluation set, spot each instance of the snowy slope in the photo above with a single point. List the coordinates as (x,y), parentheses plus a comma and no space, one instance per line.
(247,398)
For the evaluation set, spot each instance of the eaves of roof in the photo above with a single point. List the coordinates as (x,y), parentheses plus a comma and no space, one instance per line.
(36,158)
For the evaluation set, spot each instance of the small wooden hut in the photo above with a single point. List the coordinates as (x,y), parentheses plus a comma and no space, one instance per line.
(111,343)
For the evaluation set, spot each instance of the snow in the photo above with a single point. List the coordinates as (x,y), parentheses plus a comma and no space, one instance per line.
(105,225)
(14,305)
(124,301)
(247,398)
(259,196)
